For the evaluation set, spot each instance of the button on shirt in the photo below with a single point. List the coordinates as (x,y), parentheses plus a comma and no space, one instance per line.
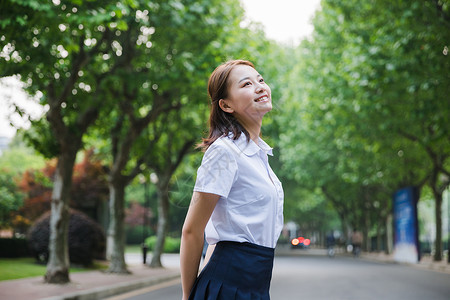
(250,207)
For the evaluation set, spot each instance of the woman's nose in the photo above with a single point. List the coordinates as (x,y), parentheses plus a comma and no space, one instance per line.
(259,88)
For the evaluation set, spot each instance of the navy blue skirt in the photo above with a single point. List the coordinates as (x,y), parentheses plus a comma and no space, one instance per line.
(235,271)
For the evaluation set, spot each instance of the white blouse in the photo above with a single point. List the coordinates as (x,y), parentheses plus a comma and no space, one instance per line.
(250,207)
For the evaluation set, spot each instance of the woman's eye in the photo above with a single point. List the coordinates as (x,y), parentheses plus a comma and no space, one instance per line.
(261,80)
(247,83)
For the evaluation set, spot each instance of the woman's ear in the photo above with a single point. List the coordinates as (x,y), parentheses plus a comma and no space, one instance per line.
(225,107)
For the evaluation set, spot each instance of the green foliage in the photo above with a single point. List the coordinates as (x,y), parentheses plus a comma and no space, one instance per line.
(18,157)
(181,191)
(171,245)
(425,214)
(135,234)
(15,161)
(59,50)
(167,67)
(11,198)
(366,102)
(41,138)
(309,209)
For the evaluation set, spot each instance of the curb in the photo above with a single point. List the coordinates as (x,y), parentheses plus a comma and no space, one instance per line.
(113,290)
(424,264)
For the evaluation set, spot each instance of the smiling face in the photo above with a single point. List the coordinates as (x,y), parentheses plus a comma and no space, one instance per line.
(249,97)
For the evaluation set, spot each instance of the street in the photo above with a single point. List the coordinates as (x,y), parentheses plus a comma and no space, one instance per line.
(319,277)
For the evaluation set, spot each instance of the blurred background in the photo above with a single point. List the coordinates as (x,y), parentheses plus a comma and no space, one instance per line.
(102,104)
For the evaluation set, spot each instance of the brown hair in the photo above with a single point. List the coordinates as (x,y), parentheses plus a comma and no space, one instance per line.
(222,123)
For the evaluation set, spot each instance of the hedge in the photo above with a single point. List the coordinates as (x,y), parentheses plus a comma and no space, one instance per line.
(14,247)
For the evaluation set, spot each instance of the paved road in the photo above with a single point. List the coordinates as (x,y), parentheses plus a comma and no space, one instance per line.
(349,278)
(340,278)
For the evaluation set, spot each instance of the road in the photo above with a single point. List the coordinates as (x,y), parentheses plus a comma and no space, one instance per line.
(346,278)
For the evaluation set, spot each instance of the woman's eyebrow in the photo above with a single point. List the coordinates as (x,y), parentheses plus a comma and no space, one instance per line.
(245,78)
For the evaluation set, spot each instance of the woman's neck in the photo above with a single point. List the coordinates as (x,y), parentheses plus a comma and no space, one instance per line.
(253,128)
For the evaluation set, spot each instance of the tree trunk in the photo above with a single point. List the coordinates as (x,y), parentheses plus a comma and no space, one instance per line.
(389,234)
(163,215)
(380,234)
(366,244)
(116,230)
(438,190)
(58,262)
(438,213)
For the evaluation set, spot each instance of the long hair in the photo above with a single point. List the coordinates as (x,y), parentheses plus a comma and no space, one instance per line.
(222,123)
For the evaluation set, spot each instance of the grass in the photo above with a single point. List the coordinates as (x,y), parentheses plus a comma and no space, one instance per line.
(16,268)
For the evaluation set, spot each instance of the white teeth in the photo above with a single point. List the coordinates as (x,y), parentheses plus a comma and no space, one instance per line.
(262,99)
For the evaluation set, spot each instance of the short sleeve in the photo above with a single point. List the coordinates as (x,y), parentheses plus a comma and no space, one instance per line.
(217,172)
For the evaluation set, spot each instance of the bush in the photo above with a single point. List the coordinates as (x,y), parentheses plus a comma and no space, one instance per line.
(171,245)
(86,239)
(13,247)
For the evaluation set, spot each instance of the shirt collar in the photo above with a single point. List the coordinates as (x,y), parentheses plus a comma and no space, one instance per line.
(251,148)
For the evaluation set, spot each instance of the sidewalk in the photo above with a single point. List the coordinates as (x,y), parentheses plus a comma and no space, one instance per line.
(426,262)
(92,284)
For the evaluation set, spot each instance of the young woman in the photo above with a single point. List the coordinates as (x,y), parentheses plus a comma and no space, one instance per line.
(237,200)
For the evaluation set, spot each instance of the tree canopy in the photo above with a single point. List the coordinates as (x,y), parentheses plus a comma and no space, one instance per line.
(368,107)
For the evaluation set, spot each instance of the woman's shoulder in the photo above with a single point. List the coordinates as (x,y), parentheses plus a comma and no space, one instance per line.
(223,144)
(220,155)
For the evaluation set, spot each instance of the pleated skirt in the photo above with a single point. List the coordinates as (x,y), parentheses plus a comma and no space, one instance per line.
(235,271)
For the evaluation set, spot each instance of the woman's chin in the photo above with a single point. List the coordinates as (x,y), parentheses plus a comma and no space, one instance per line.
(263,109)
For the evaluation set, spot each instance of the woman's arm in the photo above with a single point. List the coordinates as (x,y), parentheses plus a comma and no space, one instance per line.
(199,212)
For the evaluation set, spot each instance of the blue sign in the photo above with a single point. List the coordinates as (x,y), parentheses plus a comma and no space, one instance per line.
(406,244)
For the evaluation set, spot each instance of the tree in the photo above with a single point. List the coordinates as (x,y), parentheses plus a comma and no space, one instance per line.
(163,66)
(59,49)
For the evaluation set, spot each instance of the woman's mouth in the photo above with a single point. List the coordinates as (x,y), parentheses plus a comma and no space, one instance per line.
(264,98)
